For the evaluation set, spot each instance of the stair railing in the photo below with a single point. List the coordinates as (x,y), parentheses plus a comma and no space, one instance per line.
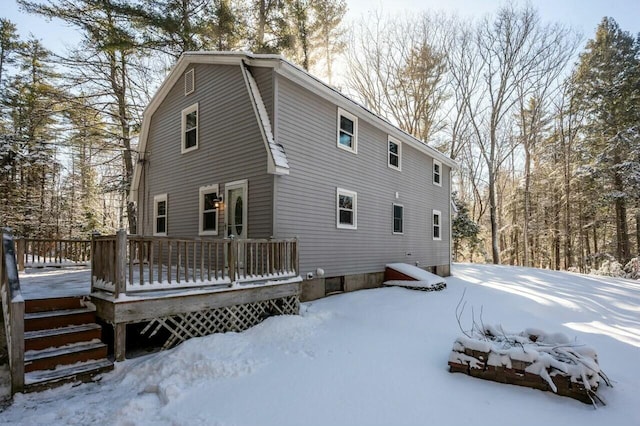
(13,310)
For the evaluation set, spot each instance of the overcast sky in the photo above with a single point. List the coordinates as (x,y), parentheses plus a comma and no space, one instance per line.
(583,15)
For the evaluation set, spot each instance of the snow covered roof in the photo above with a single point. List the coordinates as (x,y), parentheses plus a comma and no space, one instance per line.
(278,163)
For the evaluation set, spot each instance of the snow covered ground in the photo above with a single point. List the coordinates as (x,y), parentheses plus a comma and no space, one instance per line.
(375,357)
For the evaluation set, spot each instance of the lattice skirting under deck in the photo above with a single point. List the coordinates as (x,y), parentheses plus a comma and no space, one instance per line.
(230,318)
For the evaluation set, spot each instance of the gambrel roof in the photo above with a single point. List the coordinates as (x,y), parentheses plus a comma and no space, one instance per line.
(277,158)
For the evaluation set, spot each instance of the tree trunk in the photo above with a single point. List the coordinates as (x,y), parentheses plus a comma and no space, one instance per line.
(527,204)
(622,230)
(495,251)
(568,249)
(638,228)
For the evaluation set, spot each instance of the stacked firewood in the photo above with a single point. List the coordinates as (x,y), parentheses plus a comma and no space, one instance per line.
(535,359)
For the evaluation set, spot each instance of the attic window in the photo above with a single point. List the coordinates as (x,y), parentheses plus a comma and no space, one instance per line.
(189,82)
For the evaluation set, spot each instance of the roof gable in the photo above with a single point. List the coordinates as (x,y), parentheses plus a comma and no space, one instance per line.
(278,162)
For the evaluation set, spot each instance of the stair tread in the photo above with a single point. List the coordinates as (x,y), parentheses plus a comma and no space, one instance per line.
(34,355)
(68,371)
(60,331)
(53,303)
(50,314)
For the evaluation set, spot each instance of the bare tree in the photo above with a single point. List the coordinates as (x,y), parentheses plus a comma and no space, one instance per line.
(396,68)
(513,49)
(535,94)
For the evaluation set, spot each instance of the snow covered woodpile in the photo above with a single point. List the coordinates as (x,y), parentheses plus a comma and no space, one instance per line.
(412,277)
(532,358)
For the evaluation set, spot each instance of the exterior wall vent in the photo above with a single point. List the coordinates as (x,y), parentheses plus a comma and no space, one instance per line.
(189,82)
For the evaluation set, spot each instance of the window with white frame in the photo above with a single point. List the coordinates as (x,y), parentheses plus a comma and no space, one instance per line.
(395,154)
(160,211)
(398,219)
(208,208)
(437,225)
(347,131)
(437,173)
(346,209)
(190,128)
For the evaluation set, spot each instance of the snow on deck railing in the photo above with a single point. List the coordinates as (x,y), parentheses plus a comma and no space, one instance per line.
(39,252)
(136,263)
(13,310)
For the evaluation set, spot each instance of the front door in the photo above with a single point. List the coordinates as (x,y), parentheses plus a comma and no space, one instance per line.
(236,209)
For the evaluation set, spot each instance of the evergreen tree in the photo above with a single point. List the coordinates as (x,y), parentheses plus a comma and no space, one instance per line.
(226,27)
(31,98)
(105,65)
(329,32)
(607,86)
(463,228)
(9,46)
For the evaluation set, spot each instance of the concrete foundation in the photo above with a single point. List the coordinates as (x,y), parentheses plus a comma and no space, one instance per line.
(316,289)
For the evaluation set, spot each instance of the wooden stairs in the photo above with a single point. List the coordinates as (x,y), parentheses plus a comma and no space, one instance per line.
(62,343)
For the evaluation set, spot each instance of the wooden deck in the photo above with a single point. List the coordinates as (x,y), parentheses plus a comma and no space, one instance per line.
(184,287)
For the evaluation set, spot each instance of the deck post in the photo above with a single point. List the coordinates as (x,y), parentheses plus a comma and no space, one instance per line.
(21,249)
(233,248)
(17,347)
(296,256)
(119,341)
(121,263)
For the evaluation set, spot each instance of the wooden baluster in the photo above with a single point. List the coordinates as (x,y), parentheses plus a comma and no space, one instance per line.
(179,262)
(141,257)
(160,253)
(201,261)
(170,253)
(150,261)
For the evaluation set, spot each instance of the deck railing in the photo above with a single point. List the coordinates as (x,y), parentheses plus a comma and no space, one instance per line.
(13,310)
(52,252)
(124,263)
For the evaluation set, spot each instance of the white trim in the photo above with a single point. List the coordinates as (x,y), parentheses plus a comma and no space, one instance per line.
(354,136)
(209,189)
(188,110)
(439,174)
(354,195)
(157,199)
(391,140)
(277,159)
(437,213)
(189,76)
(288,70)
(244,184)
(393,219)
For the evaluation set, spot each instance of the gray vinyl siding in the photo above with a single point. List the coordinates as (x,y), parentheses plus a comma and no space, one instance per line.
(306,199)
(230,148)
(264,77)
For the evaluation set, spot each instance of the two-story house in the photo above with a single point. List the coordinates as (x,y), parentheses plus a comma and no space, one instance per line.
(255,147)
